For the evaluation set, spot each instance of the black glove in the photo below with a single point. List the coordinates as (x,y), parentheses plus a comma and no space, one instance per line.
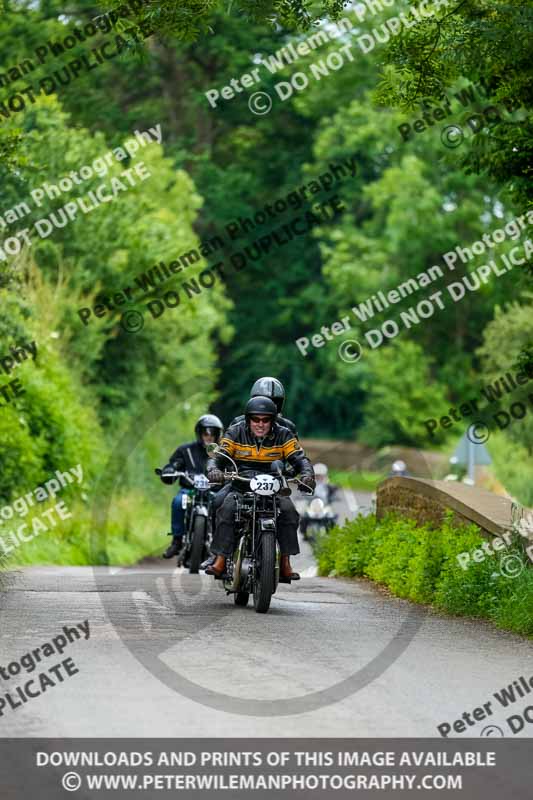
(309,481)
(166,477)
(216,476)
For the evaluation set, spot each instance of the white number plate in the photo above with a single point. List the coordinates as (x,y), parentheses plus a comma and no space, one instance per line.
(201,482)
(265,484)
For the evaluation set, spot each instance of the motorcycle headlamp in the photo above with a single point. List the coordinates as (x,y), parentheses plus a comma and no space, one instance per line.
(316,506)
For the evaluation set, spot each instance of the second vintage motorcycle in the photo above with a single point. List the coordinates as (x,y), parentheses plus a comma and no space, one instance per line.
(197,504)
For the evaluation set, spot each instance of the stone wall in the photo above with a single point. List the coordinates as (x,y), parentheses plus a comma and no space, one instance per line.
(354,456)
(427,501)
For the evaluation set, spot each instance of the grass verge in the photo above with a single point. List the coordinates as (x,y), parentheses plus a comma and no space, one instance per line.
(358,481)
(134,529)
(420,564)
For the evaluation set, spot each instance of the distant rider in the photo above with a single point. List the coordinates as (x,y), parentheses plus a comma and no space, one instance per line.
(254,443)
(399,470)
(190,457)
(325,490)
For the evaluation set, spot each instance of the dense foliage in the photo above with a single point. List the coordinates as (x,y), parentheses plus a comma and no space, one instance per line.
(420,564)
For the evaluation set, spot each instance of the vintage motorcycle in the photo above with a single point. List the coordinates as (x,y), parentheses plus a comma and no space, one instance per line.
(197,505)
(317,518)
(254,567)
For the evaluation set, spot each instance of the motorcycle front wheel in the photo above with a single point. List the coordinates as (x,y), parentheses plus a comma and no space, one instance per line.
(265,574)
(199,533)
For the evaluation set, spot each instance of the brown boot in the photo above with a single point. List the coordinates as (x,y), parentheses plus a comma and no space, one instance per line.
(286,575)
(217,567)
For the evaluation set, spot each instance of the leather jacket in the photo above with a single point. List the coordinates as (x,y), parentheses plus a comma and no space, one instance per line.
(254,456)
(190,457)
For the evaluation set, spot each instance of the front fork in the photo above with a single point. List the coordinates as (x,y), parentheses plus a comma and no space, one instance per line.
(239,563)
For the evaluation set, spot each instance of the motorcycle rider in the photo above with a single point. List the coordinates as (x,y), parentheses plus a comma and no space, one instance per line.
(254,443)
(263,387)
(189,457)
(325,490)
(399,470)
(270,387)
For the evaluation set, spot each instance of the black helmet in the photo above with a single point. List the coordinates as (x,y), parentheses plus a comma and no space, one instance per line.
(208,423)
(270,387)
(260,405)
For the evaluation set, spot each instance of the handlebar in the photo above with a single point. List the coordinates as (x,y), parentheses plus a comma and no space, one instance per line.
(186,475)
(231,476)
(175,474)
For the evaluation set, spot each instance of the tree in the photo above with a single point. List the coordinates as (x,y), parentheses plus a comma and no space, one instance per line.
(191,18)
(400,395)
(474,40)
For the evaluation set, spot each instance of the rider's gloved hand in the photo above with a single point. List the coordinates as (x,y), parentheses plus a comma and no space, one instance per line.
(309,481)
(166,475)
(216,476)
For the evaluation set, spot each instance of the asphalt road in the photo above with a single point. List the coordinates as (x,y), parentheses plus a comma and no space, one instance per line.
(170,655)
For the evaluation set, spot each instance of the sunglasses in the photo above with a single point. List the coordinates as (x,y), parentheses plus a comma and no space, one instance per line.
(260,419)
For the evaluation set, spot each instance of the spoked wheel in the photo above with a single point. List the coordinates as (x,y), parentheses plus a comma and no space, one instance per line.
(197,545)
(266,574)
(241,598)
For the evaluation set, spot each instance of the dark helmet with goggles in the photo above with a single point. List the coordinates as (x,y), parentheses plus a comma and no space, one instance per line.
(210,424)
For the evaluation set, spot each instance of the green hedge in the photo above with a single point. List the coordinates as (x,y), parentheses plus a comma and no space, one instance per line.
(420,564)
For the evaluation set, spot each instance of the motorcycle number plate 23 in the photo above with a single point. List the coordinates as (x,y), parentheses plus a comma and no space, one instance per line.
(265,484)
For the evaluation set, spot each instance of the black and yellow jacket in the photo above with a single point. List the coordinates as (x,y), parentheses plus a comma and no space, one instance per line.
(254,456)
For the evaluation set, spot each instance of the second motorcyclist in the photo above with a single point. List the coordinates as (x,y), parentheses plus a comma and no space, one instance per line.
(270,387)
(190,457)
(254,443)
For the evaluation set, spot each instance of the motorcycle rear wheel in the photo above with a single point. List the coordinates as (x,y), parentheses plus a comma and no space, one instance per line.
(265,582)
(199,533)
